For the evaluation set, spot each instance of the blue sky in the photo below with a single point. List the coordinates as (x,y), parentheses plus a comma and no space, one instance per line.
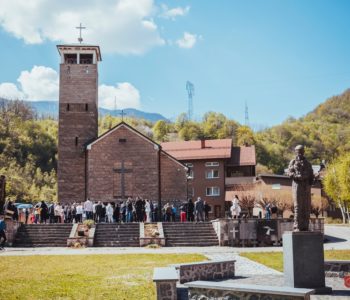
(281,57)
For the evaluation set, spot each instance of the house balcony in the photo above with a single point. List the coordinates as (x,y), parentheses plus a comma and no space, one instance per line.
(231,181)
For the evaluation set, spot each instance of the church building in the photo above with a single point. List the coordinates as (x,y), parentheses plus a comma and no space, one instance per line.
(119,164)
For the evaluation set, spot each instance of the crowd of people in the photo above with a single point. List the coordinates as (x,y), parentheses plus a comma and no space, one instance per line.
(131,210)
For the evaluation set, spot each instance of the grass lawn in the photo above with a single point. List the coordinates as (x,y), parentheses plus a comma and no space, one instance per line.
(274,260)
(126,276)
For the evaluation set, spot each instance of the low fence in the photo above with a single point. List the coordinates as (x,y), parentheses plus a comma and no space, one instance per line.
(257,232)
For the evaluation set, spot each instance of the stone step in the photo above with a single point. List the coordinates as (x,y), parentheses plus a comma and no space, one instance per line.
(42,235)
(169,244)
(136,232)
(39,245)
(117,244)
(189,231)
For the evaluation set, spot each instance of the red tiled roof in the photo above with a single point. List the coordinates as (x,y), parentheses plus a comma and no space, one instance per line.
(190,150)
(243,156)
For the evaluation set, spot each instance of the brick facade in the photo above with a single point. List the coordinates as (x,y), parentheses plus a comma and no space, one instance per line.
(199,184)
(124,147)
(120,163)
(78,115)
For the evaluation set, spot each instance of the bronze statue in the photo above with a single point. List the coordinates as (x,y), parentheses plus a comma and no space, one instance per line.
(300,170)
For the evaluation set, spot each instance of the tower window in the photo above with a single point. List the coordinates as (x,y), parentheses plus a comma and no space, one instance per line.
(76,141)
(86,107)
(70,59)
(86,59)
(68,107)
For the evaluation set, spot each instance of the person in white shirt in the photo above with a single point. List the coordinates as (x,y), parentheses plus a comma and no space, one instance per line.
(88,207)
(58,213)
(79,215)
(109,213)
(235,208)
(94,215)
(148,211)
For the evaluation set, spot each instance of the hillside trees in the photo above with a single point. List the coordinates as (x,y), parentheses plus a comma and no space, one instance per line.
(337,184)
(28,150)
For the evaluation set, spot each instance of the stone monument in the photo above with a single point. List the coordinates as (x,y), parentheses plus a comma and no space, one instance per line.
(300,170)
(303,255)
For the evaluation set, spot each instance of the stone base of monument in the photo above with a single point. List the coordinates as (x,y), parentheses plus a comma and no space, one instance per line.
(303,259)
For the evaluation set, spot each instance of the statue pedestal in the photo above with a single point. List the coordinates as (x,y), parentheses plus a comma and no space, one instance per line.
(303,261)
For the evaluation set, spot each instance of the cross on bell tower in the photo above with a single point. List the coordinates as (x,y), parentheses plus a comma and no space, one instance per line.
(80,27)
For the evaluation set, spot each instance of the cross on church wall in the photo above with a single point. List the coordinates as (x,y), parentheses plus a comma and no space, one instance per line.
(122,171)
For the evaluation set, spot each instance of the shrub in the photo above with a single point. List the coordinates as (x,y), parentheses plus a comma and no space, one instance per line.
(89,223)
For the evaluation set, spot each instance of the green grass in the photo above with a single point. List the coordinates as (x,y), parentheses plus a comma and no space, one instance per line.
(274,260)
(126,276)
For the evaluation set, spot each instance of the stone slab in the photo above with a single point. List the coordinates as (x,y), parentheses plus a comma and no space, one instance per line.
(251,288)
(303,260)
(165,274)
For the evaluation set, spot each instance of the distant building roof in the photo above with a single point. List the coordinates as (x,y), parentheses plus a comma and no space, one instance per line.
(203,149)
(242,156)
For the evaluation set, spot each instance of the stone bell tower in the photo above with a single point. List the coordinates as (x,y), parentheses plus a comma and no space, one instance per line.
(78,117)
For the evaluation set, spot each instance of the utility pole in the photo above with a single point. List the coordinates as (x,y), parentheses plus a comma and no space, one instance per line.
(190,92)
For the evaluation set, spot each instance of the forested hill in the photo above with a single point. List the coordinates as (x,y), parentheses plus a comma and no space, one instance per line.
(325,131)
(333,110)
(28,146)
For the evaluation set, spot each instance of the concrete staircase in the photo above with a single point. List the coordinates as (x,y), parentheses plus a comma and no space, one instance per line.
(117,235)
(189,234)
(42,235)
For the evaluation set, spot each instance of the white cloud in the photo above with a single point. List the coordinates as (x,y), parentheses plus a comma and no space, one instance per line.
(123,95)
(118,26)
(187,41)
(41,83)
(172,13)
(10,91)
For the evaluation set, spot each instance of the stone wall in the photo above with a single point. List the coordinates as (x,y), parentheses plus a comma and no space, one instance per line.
(257,232)
(211,270)
(213,294)
(166,290)
(11,230)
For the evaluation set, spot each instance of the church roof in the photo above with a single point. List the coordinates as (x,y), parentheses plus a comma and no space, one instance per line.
(202,149)
(146,138)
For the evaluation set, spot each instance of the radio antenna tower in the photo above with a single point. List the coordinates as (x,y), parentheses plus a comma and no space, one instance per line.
(190,91)
(246,122)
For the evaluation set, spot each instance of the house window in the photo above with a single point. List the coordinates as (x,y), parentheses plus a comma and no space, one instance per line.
(212,164)
(76,141)
(86,107)
(212,174)
(213,191)
(190,170)
(68,107)
(276,186)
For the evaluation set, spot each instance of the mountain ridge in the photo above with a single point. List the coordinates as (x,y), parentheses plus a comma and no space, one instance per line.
(49,109)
